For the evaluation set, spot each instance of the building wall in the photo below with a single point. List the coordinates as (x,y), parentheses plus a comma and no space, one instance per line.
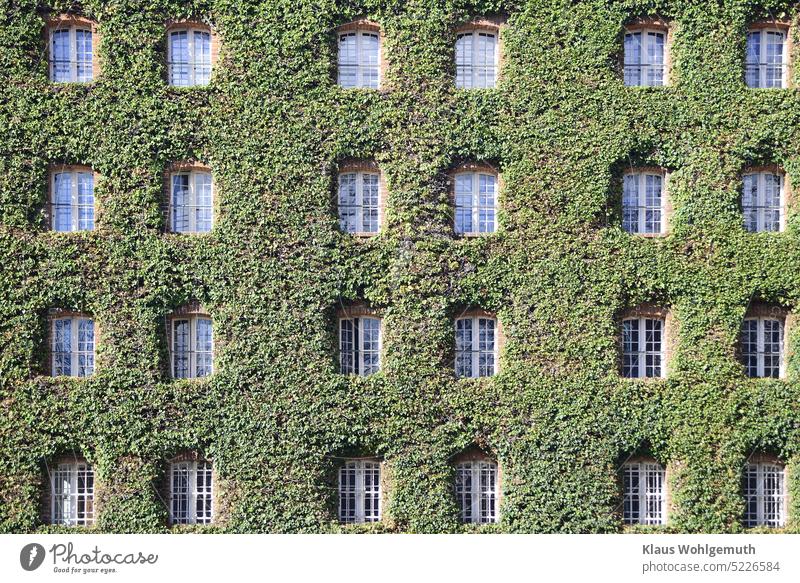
(277,417)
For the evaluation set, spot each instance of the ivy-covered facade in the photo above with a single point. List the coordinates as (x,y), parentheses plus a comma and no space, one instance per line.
(277,416)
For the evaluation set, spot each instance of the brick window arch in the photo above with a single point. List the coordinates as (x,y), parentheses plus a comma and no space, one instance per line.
(644,491)
(360,198)
(474,191)
(360,339)
(72,42)
(70,499)
(192,51)
(477,487)
(191,342)
(192,489)
(646,60)
(477,54)
(360,55)
(764,486)
(190,197)
(765,195)
(71,201)
(767,55)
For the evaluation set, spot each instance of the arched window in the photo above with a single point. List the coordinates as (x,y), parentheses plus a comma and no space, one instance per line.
(72,344)
(767,57)
(643,198)
(477,490)
(644,342)
(359,340)
(762,341)
(71,49)
(191,198)
(476,345)
(72,493)
(190,52)
(359,199)
(644,492)
(191,491)
(764,492)
(645,53)
(191,343)
(360,491)
(476,57)
(71,198)
(763,200)
(475,194)
(359,55)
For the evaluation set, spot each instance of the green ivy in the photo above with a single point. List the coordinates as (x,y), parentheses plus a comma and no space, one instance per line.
(276,417)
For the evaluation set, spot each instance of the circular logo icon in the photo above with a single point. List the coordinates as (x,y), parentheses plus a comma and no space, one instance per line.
(31,556)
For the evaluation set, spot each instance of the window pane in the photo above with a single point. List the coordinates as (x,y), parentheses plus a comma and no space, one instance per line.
(62,69)
(464,55)
(181,201)
(204,343)
(179,54)
(348,60)
(203,201)
(83,40)
(633,59)
(180,349)
(464,366)
(348,203)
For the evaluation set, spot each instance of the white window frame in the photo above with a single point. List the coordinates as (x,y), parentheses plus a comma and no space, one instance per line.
(760,208)
(470,80)
(192,207)
(193,63)
(762,64)
(193,494)
(359,65)
(360,467)
(73,53)
(359,204)
(479,492)
(74,352)
(761,469)
(358,348)
(641,202)
(641,350)
(643,65)
(66,502)
(192,352)
(475,208)
(475,353)
(74,206)
(760,354)
(644,470)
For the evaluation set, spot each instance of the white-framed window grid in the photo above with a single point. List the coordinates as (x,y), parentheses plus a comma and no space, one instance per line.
(191,202)
(643,347)
(762,347)
(477,492)
(191,487)
(476,346)
(72,201)
(475,203)
(359,202)
(766,61)
(763,201)
(72,348)
(643,203)
(72,494)
(359,59)
(189,58)
(192,346)
(360,491)
(644,493)
(71,55)
(764,495)
(360,345)
(476,59)
(644,60)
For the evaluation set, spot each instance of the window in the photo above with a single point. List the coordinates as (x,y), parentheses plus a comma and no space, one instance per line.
(644,61)
(476,346)
(642,347)
(191,492)
(359,345)
(189,59)
(191,201)
(192,346)
(766,59)
(475,203)
(764,494)
(476,59)
(643,203)
(762,347)
(72,494)
(359,202)
(71,51)
(762,201)
(72,200)
(477,491)
(359,58)
(360,491)
(643,492)
(72,351)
